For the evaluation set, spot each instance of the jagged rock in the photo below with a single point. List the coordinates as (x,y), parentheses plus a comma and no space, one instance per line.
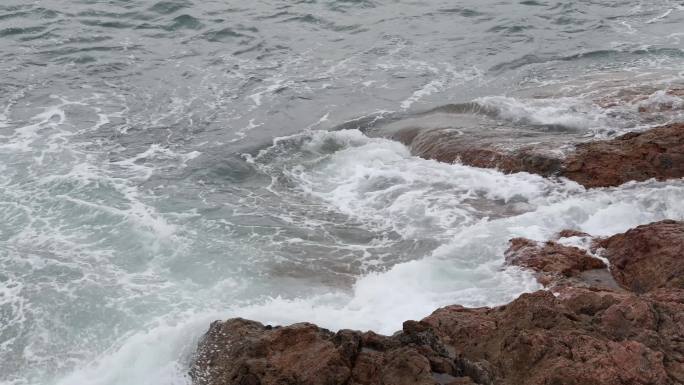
(538,339)
(569,233)
(551,259)
(647,257)
(244,352)
(582,335)
(657,153)
(556,265)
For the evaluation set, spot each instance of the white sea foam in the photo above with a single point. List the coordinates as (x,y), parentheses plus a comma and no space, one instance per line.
(569,112)
(466,270)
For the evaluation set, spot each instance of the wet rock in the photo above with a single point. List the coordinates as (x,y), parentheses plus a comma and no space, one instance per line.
(241,352)
(647,257)
(583,334)
(541,339)
(551,257)
(657,153)
(485,151)
(568,233)
(553,262)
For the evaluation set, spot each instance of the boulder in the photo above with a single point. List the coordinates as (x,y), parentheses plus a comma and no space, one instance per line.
(657,153)
(647,257)
(551,260)
(582,337)
(584,334)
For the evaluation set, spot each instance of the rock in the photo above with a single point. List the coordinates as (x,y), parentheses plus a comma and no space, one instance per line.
(585,334)
(657,153)
(647,257)
(484,151)
(244,352)
(551,257)
(568,233)
(582,337)
(541,339)
(552,262)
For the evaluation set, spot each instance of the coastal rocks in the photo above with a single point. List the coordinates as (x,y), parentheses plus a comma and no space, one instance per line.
(245,352)
(541,339)
(657,153)
(551,257)
(647,257)
(642,259)
(491,151)
(584,337)
(584,334)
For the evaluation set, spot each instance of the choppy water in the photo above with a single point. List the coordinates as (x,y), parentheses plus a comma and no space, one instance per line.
(167,163)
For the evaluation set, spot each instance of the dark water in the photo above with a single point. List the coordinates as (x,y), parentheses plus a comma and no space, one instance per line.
(167,163)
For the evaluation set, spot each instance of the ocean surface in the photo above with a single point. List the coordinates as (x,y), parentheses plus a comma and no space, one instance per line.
(164,164)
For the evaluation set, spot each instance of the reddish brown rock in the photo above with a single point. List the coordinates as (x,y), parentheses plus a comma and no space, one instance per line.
(540,339)
(551,257)
(583,337)
(657,153)
(552,262)
(638,96)
(571,233)
(647,257)
(245,352)
(492,151)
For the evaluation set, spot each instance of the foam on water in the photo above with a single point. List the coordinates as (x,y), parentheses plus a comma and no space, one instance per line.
(466,271)
(377,182)
(128,221)
(606,110)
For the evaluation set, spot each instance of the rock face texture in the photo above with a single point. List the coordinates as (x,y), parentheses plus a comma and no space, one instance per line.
(647,257)
(584,335)
(551,259)
(657,153)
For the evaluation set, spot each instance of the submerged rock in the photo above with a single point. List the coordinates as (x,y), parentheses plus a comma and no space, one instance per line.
(584,335)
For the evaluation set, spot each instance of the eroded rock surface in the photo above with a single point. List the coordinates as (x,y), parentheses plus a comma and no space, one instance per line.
(657,153)
(583,335)
(647,257)
(551,257)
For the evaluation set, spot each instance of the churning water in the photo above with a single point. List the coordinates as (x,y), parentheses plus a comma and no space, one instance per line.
(167,163)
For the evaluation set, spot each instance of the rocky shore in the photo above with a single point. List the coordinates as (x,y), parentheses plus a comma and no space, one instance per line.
(612,312)
(639,156)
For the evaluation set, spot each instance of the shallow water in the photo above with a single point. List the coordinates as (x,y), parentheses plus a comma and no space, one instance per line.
(167,163)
